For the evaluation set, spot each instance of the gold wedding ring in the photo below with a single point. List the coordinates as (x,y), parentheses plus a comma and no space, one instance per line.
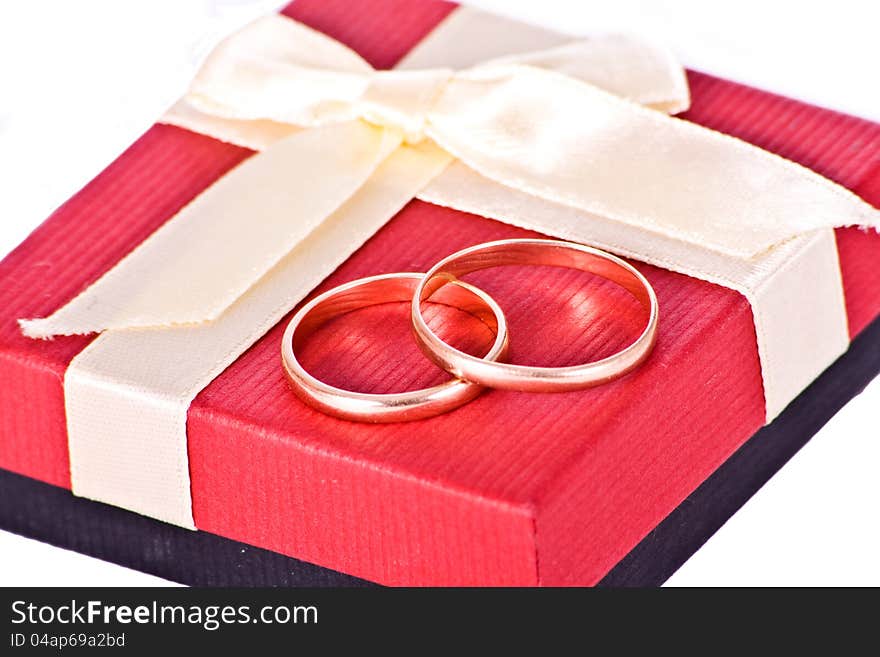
(506,376)
(472,374)
(394,407)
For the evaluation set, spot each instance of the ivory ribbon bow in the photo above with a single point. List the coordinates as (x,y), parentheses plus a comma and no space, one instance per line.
(568,141)
(562,125)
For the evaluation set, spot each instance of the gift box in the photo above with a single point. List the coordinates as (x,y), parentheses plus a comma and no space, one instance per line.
(616,484)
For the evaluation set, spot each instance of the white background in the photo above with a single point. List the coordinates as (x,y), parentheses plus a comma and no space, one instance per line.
(79,81)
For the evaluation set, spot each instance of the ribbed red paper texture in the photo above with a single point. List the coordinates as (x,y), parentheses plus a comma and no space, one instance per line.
(514,488)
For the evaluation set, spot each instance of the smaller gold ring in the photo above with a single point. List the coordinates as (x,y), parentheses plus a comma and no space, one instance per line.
(394,407)
(534,252)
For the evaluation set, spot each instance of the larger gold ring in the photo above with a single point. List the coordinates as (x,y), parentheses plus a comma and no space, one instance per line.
(396,407)
(534,252)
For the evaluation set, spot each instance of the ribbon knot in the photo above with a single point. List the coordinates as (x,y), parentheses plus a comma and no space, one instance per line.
(402,100)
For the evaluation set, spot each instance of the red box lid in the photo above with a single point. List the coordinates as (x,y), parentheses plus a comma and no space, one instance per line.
(513,488)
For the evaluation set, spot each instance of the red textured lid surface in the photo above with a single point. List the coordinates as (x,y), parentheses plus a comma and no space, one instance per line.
(514,488)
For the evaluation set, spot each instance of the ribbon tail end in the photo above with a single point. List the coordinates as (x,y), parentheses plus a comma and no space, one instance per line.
(38,329)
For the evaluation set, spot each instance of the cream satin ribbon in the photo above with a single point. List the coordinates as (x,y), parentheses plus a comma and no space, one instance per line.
(568,141)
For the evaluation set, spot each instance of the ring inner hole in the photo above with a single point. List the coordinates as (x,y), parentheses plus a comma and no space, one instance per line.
(372,349)
(559,316)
